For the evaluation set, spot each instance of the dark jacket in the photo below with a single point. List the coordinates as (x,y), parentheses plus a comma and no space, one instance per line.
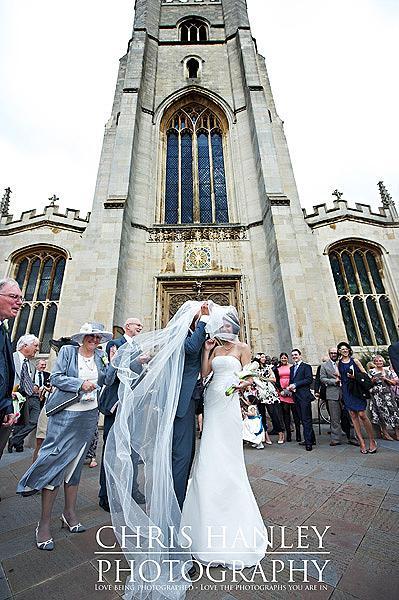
(7,373)
(109,394)
(303,379)
(393,351)
(192,367)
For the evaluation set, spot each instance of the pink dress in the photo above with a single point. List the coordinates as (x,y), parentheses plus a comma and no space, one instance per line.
(284,372)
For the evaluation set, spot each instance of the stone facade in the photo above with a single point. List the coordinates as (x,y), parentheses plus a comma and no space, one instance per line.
(272,258)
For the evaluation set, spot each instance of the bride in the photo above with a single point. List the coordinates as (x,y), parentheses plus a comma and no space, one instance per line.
(219,496)
(220,510)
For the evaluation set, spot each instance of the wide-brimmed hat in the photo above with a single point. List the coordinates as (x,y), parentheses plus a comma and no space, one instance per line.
(92,329)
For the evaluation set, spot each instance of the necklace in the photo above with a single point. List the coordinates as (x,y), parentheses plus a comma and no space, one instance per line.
(89,362)
(224,347)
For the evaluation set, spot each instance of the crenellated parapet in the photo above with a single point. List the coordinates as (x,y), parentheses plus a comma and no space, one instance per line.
(50,217)
(324,214)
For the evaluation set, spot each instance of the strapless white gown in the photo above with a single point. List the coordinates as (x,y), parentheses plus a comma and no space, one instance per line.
(219,498)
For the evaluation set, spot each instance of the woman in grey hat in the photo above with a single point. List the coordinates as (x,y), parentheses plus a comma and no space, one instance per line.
(79,371)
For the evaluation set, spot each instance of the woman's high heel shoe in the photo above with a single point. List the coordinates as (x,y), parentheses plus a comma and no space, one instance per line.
(74,528)
(47,545)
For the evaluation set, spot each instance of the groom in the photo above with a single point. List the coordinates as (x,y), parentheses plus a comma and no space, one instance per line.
(183,443)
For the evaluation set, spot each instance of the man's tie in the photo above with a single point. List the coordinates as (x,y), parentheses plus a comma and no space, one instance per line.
(296,369)
(25,381)
(40,379)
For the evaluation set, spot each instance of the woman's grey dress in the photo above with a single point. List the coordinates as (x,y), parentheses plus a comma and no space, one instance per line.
(67,433)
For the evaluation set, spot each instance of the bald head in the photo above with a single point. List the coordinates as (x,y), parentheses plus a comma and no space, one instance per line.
(132,326)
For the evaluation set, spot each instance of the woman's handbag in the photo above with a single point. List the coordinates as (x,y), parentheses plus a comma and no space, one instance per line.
(361,385)
(59,400)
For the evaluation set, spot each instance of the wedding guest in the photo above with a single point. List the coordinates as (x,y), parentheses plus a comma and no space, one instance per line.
(108,404)
(42,422)
(78,372)
(383,407)
(10,303)
(329,377)
(347,367)
(25,372)
(393,352)
(301,378)
(282,373)
(270,400)
(252,428)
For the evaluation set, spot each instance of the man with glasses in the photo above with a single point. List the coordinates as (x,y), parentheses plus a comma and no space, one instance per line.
(10,303)
(330,377)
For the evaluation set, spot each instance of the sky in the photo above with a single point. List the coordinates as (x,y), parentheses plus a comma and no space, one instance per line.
(332,66)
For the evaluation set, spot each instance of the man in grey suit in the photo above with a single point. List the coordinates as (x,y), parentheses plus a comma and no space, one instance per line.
(339,417)
(27,348)
(183,444)
(328,376)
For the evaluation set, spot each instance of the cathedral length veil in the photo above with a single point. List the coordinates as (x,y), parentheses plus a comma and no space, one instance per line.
(144,423)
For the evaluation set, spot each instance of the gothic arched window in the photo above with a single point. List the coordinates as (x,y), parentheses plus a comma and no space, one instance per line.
(195,188)
(365,305)
(39,272)
(193,31)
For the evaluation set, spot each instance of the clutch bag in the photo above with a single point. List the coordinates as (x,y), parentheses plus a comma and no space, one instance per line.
(59,400)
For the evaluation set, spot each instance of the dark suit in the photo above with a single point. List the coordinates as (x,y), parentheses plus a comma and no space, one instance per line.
(108,399)
(7,374)
(30,410)
(183,444)
(393,351)
(303,379)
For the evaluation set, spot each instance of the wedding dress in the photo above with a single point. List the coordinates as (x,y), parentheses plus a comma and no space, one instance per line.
(220,513)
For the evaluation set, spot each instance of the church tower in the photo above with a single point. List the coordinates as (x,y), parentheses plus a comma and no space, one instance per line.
(195,196)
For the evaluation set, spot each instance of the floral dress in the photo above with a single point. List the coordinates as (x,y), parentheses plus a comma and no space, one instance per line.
(383,407)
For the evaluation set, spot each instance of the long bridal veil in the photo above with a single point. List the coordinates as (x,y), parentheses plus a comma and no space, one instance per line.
(148,397)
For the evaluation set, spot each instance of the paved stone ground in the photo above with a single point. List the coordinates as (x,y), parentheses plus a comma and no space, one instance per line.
(357,496)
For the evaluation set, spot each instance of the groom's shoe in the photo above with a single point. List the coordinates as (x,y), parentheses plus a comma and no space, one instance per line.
(138,497)
(103,503)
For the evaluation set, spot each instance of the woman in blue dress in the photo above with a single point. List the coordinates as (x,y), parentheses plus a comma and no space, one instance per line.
(347,366)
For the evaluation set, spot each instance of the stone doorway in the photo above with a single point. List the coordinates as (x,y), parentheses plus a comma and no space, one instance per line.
(173,292)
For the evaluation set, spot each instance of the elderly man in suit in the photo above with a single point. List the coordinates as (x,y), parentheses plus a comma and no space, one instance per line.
(10,303)
(25,370)
(329,376)
(183,443)
(108,405)
(301,378)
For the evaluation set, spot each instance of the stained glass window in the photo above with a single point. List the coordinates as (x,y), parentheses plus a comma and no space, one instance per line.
(219,180)
(195,186)
(204,178)
(172,179)
(187,205)
(365,306)
(349,322)
(40,273)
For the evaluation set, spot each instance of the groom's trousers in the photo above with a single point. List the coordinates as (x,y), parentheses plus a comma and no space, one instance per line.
(183,448)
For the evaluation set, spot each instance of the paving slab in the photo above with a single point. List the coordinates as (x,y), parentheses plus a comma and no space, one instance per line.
(370,579)
(354,512)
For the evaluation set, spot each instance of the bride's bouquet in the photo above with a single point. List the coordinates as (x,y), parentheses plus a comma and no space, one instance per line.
(247,373)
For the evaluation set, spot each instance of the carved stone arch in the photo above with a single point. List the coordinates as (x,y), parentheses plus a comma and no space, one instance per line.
(354,240)
(184,95)
(15,254)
